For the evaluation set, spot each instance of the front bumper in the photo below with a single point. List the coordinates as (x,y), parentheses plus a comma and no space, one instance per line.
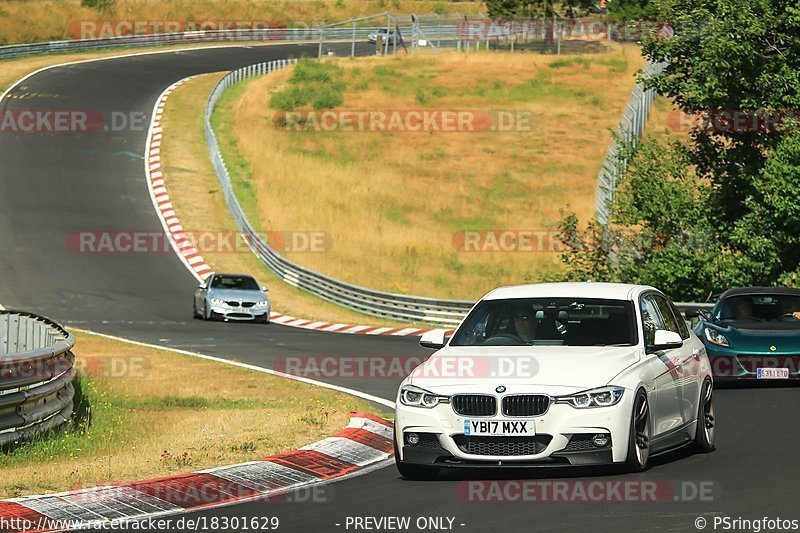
(224,312)
(563,438)
(732,366)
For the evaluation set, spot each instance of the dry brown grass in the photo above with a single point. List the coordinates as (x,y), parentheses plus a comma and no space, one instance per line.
(47,20)
(154,420)
(393,201)
(200,205)
(664,121)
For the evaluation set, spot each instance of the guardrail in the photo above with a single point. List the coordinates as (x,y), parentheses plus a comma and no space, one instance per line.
(300,34)
(36,372)
(452,30)
(361,299)
(629,130)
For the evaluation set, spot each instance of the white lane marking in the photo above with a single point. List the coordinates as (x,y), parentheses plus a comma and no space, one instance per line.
(345,390)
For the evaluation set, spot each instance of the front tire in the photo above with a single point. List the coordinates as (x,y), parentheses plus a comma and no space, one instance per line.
(639,434)
(706,423)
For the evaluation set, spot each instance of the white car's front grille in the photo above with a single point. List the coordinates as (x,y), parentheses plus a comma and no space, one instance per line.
(526,405)
(474,404)
(502,446)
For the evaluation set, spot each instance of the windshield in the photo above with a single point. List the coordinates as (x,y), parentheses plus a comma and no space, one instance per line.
(761,308)
(239,283)
(548,321)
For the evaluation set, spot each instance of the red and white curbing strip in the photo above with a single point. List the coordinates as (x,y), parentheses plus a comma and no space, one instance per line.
(190,256)
(156,183)
(366,441)
(294,322)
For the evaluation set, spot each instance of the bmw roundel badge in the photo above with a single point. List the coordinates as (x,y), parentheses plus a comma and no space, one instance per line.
(500,389)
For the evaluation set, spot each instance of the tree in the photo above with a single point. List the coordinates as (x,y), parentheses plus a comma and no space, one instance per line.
(507,9)
(723,208)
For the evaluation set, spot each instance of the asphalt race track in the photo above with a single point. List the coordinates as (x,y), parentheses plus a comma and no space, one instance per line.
(54,185)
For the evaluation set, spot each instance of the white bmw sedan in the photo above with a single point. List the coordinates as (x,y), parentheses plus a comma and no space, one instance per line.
(557,374)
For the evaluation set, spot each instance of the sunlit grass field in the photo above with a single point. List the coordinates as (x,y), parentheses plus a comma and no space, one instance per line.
(394,203)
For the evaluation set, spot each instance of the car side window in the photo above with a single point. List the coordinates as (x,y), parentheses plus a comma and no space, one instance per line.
(667,315)
(682,326)
(651,320)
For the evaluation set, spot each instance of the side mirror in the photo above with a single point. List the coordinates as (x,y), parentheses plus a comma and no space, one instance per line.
(691,313)
(264,289)
(433,339)
(202,286)
(665,340)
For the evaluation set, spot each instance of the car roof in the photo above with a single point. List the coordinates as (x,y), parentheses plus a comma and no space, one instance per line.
(611,291)
(758,290)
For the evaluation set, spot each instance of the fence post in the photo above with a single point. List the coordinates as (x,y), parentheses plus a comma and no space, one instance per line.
(353,47)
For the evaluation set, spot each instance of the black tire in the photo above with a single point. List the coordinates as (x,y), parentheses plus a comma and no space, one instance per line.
(639,434)
(413,472)
(195,314)
(706,423)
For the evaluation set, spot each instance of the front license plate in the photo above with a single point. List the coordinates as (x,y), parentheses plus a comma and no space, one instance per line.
(499,427)
(772,373)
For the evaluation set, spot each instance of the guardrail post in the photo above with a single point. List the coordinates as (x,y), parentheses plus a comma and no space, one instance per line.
(353,46)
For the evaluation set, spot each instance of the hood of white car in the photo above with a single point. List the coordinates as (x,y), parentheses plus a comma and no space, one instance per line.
(564,368)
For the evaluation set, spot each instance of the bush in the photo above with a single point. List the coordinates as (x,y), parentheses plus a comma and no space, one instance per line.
(98,4)
(312,83)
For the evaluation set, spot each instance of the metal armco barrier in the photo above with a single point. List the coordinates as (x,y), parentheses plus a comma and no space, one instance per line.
(630,129)
(459,31)
(36,373)
(361,299)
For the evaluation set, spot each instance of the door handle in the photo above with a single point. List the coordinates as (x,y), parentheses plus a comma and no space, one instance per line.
(696,354)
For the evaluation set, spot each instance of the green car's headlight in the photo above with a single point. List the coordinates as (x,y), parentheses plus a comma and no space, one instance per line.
(715,337)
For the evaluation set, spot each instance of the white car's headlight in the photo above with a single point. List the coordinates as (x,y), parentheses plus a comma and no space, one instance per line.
(265,303)
(416,397)
(217,301)
(715,337)
(602,397)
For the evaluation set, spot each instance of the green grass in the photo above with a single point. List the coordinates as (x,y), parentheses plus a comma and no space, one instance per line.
(96,408)
(238,168)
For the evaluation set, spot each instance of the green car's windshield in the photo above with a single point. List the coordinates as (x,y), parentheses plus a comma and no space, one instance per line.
(549,321)
(760,308)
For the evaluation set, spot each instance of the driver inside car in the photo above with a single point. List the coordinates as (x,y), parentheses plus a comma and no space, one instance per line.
(525,323)
(787,311)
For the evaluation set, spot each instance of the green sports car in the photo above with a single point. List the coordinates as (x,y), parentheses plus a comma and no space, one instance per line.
(752,333)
